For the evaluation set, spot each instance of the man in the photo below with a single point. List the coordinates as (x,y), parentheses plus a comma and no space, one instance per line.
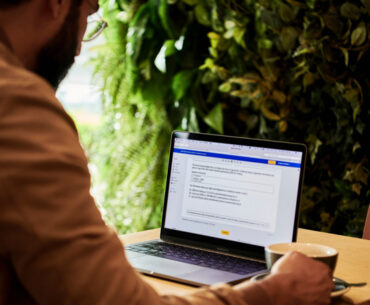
(54,246)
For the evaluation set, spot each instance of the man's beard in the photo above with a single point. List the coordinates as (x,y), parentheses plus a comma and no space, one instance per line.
(56,58)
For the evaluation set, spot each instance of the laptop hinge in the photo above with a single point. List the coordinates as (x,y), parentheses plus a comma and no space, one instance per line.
(215,249)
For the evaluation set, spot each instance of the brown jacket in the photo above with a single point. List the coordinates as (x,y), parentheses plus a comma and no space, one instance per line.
(54,246)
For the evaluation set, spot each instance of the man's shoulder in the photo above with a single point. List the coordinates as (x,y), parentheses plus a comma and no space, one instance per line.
(16,81)
(24,92)
(32,120)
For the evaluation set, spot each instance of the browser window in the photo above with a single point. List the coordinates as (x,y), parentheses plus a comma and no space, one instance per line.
(239,193)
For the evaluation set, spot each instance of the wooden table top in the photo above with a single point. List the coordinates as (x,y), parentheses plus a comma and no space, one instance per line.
(353,262)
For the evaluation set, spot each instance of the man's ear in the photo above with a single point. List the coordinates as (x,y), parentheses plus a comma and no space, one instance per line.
(58,7)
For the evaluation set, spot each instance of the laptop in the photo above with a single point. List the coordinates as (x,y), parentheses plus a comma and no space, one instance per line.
(226,198)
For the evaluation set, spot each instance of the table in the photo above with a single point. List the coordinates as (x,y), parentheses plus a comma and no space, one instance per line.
(353,262)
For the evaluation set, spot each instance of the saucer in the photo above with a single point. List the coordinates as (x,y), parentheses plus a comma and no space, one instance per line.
(339,289)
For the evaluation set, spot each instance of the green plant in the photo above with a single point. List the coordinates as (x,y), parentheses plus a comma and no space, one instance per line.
(289,70)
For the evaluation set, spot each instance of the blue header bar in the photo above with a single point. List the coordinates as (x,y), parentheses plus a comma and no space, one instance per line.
(233,157)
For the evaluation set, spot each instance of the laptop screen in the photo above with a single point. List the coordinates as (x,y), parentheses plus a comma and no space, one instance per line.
(240,192)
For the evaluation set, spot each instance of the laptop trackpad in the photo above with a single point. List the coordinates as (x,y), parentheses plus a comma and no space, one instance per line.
(208,276)
(159,265)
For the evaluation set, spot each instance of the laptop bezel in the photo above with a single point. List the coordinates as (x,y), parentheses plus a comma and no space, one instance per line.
(217,244)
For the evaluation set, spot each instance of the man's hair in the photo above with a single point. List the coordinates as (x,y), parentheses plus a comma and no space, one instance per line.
(10,3)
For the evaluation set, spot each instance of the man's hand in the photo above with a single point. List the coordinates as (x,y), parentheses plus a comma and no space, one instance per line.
(295,279)
(309,281)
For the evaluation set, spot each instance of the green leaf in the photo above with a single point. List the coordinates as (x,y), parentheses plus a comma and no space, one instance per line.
(202,15)
(334,23)
(209,77)
(314,144)
(265,43)
(190,2)
(299,4)
(279,96)
(214,39)
(356,111)
(136,33)
(240,93)
(215,118)
(216,20)
(346,56)
(169,47)
(160,60)
(308,79)
(152,91)
(313,30)
(269,114)
(367,5)
(213,52)
(351,95)
(179,43)
(225,87)
(181,83)
(209,63)
(145,69)
(239,36)
(288,37)
(263,126)
(244,103)
(193,120)
(283,126)
(349,10)
(230,24)
(229,33)
(311,3)
(286,12)
(270,19)
(359,34)
(123,17)
(221,72)
(164,17)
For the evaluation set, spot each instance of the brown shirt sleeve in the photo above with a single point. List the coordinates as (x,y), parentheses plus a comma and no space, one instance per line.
(51,231)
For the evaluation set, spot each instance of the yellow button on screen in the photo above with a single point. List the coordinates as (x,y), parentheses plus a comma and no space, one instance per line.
(223,232)
(272,162)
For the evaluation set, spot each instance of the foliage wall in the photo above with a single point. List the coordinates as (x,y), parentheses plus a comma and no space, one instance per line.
(286,70)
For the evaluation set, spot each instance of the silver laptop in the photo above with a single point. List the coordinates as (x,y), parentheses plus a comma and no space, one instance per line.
(226,199)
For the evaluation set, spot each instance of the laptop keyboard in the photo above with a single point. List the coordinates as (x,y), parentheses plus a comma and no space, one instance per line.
(198,257)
